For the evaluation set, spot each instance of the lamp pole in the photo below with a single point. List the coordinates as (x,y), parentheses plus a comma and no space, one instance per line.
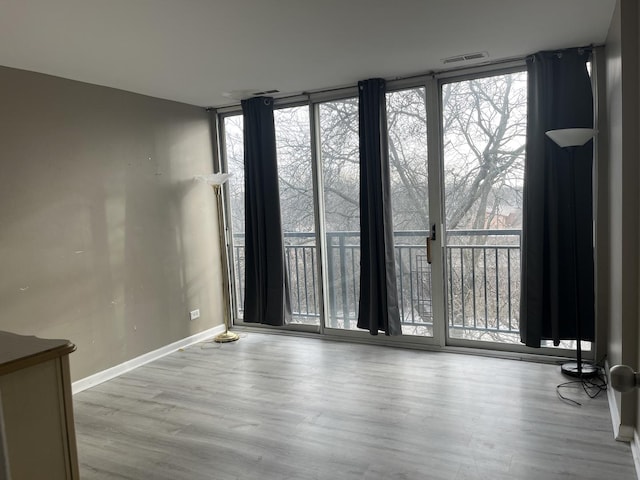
(217,180)
(226,336)
(569,368)
(570,139)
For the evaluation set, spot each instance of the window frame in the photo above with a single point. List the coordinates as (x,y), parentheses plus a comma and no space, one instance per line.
(432,82)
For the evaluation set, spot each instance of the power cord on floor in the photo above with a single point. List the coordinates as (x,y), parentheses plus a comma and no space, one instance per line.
(593,386)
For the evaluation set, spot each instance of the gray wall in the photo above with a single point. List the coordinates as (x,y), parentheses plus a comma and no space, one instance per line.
(621,58)
(105,238)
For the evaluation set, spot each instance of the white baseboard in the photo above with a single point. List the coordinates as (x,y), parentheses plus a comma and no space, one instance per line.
(635,451)
(113,372)
(622,433)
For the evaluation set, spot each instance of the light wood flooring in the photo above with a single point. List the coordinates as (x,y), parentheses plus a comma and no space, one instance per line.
(273,407)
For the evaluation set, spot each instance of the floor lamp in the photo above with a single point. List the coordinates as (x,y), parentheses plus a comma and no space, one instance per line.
(570,139)
(216,180)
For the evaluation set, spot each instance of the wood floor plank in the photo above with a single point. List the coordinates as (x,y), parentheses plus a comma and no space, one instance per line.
(278,407)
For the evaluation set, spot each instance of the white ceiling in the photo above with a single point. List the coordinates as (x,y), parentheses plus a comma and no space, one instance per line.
(193,51)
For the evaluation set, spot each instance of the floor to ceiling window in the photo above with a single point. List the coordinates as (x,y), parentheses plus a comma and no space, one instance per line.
(456,155)
(293,146)
(233,153)
(339,157)
(408,161)
(296,203)
(406,114)
(484,135)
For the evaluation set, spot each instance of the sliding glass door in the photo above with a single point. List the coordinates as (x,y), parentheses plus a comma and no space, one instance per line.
(456,157)
(408,162)
(484,134)
(339,156)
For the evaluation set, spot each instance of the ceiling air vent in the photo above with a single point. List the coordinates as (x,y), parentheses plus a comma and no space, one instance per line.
(467,57)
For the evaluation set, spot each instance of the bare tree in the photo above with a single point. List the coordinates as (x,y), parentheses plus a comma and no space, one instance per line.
(484,124)
(234,156)
(483,143)
(484,134)
(339,147)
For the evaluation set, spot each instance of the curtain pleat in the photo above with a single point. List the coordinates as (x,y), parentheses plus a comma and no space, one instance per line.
(266,290)
(559,96)
(378,305)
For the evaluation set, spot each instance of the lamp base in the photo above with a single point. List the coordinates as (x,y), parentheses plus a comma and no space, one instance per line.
(226,337)
(585,370)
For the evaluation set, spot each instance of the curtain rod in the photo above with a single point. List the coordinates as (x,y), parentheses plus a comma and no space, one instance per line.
(306,94)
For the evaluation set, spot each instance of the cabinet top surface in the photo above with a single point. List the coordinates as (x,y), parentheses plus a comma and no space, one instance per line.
(21,351)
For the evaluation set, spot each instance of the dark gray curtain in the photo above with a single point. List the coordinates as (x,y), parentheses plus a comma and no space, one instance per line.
(266,293)
(560,96)
(378,307)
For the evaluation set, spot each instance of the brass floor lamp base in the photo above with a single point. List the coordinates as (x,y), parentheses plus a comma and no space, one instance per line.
(226,337)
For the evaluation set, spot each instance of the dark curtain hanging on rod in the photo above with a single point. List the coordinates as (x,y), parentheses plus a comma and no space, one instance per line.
(559,96)
(378,306)
(266,287)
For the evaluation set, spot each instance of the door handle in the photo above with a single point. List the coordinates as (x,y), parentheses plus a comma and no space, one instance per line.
(430,238)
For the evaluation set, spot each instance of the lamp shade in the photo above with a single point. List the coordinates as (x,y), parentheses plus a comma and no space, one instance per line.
(571,137)
(214,178)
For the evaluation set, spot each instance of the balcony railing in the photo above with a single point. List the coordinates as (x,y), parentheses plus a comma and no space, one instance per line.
(482,276)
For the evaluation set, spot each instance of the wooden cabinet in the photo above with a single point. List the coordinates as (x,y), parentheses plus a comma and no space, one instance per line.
(36,406)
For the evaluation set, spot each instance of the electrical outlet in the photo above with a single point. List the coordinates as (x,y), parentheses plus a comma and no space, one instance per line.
(193,314)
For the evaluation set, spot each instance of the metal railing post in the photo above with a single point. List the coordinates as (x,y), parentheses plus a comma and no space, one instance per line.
(332,288)
(343,276)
